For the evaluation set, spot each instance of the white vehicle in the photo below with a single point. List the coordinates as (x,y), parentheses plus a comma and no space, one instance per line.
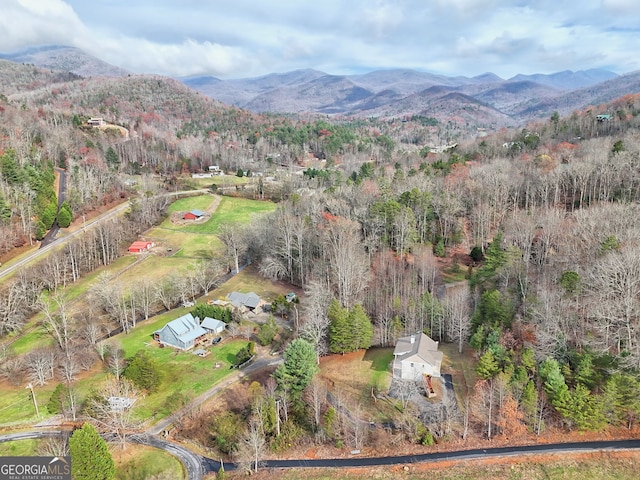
(188,303)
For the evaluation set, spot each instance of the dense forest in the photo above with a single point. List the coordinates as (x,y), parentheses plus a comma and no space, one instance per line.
(521,245)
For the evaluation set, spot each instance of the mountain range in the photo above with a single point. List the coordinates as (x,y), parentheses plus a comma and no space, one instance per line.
(484,100)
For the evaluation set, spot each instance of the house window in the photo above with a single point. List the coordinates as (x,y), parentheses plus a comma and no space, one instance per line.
(412,365)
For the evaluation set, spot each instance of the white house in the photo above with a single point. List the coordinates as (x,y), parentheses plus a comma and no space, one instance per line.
(415,356)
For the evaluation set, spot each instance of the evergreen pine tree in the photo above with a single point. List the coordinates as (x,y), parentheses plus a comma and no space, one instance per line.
(90,456)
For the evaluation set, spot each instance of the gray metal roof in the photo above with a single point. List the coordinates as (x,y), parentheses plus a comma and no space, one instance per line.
(249,300)
(213,324)
(186,328)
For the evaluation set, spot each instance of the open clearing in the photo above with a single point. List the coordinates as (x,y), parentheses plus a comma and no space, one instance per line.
(250,280)
(231,210)
(139,462)
(353,375)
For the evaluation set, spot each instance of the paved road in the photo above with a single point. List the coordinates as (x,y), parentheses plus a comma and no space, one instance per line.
(197,465)
(211,465)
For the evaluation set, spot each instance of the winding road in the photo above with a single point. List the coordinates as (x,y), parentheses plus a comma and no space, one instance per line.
(197,465)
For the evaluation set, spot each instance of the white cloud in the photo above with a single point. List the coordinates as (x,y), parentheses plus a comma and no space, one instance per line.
(247,38)
(38,22)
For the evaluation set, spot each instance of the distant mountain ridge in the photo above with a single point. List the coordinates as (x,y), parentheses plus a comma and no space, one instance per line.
(398,92)
(66,59)
(484,100)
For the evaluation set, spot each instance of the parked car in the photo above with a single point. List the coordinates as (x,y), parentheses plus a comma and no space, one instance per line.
(216,340)
(188,303)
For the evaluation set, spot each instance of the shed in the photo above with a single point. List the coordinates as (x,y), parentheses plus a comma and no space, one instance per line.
(180,333)
(141,246)
(213,325)
(193,215)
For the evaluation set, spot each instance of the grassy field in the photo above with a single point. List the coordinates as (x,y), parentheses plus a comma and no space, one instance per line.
(461,366)
(353,375)
(230,211)
(16,404)
(249,280)
(154,268)
(140,462)
(184,372)
(201,202)
(19,448)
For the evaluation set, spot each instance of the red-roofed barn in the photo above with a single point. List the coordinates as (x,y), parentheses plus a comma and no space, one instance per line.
(140,246)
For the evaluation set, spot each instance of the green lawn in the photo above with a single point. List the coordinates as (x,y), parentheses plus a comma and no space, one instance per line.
(36,338)
(19,448)
(16,404)
(184,372)
(154,268)
(140,462)
(249,280)
(380,359)
(201,202)
(232,211)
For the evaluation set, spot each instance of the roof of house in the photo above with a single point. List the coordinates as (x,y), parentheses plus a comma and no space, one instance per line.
(250,300)
(212,323)
(423,348)
(197,213)
(186,328)
(140,244)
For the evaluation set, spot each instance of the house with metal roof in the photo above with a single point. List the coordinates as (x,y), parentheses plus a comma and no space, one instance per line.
(415,356)
(247,300)
(182,333)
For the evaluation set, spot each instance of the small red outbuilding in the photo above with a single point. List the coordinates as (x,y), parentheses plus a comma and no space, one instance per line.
(140,246)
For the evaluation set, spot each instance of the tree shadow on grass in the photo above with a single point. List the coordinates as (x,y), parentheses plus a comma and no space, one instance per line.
(380,359)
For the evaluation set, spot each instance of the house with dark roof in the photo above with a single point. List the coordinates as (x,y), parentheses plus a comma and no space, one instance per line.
(415,356)
(212,325)
(182,333)
(244,300)
(193,215)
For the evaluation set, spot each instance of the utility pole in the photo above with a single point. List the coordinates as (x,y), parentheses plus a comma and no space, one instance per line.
(33,395)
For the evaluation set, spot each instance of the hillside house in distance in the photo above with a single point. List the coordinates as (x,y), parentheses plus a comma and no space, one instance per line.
(193,215)
(141,246)
(415,356)
(183,333)
(96,122)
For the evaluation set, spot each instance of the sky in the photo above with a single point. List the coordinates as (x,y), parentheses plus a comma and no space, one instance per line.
(249,38)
